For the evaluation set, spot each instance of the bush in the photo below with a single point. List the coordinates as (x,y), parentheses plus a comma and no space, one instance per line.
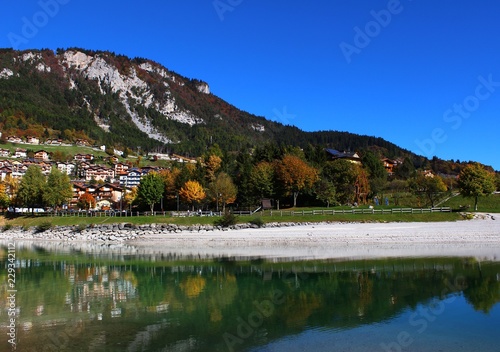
(44,226)
(80,227)
(257,221)
(226,220)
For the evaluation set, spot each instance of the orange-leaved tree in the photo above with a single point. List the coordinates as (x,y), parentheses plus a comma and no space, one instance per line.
(86,201)
(192,192)
(212,166)
(169,177)
(295,175)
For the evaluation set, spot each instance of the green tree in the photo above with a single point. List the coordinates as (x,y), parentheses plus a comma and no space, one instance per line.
(374,165)
(58,189)
(325,191)
(376,171)
(405,170)
(341,173)
(430,187)
(150,190)
(262,179)
(475,181)
(397,188)
(223,190)
(242,171)
(31,188)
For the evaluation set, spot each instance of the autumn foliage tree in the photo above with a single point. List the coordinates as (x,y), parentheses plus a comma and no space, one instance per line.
(86,201)
(223,190)
(212,166)
(295,175)
(192,192)
(169,177)
(4,197)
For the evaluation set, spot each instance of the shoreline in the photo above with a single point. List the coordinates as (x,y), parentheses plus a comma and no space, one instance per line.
(477,238)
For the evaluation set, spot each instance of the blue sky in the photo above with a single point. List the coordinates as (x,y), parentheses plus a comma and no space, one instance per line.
(422,74)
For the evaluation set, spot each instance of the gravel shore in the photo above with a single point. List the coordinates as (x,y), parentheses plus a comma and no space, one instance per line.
(479,238)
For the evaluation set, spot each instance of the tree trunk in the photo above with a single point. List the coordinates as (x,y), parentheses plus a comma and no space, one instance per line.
(295,195)
(475,204)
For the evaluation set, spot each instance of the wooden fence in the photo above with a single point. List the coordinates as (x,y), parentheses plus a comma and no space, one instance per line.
(360,211)
(277,213)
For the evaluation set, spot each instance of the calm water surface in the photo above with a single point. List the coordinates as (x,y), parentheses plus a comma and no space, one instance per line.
(124,300)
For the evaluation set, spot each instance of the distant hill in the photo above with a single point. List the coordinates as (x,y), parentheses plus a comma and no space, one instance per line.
(137,103)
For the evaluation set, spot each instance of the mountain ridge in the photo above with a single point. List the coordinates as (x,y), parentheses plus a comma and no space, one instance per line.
(137,102)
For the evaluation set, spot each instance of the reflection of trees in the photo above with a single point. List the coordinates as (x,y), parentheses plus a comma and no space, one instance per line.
(226,290)
(298,308)
(193,285)
(205,299)
(482,293)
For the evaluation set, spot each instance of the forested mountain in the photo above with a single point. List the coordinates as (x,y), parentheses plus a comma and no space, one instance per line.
(137,103)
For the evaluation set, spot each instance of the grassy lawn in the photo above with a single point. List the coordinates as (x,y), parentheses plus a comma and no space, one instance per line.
(33,221)
(490,204)
(53,148)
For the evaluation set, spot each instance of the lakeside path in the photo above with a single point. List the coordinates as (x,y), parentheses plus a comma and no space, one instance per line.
(477,238)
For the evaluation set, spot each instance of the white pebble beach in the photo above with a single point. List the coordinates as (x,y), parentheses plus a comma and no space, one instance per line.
(477,238)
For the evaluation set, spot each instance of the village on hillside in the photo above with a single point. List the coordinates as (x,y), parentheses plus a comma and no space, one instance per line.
(108,176)
(107,181)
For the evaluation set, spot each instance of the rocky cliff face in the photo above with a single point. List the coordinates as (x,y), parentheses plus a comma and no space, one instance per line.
(137,103)
(134,83)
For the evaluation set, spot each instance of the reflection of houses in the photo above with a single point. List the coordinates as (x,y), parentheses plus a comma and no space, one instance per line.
(350,156)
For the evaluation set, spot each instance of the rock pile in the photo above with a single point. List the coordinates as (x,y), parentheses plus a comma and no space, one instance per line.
(120,232)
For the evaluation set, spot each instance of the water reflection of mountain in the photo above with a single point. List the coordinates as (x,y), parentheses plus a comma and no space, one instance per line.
(67,301)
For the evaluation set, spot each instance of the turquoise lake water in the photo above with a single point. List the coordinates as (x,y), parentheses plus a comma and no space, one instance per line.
(74,300)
